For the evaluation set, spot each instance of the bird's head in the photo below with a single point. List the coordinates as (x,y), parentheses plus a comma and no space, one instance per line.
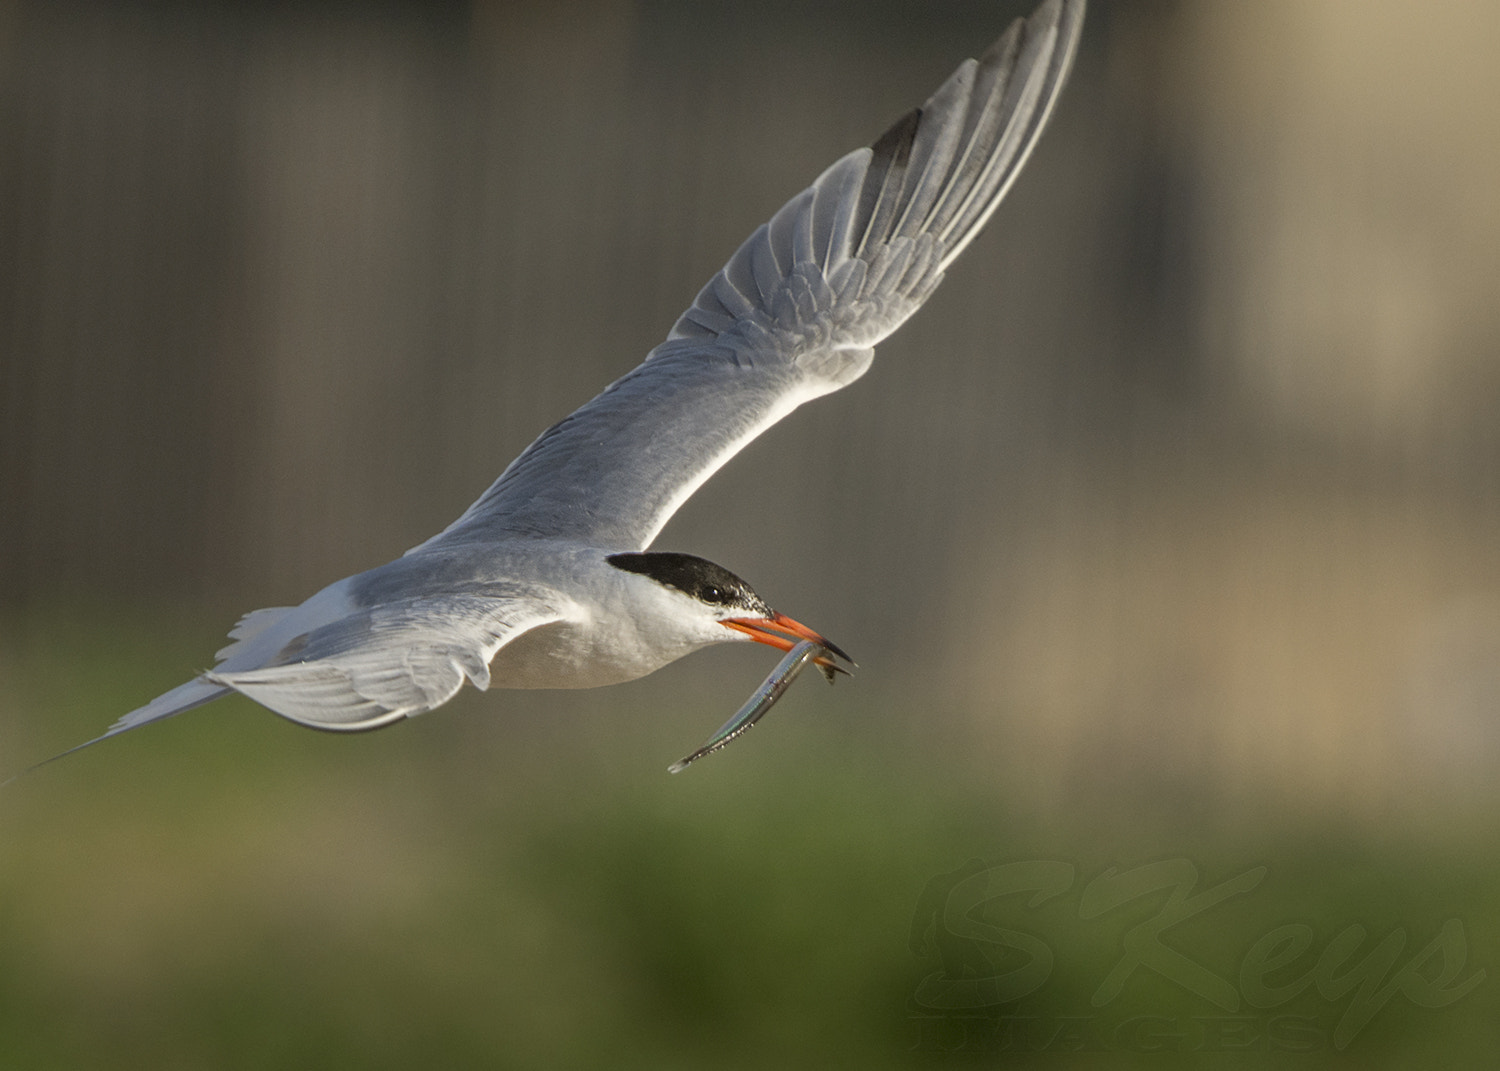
(723,598)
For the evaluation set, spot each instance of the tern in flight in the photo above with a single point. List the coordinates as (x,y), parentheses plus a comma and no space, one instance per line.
(547,581)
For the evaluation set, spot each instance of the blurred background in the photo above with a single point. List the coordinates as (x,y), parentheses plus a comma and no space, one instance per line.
(1165,534)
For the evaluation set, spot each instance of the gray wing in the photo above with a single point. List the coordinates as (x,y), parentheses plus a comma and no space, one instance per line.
(361,654)
(338,662)
(796,312)
(390,661)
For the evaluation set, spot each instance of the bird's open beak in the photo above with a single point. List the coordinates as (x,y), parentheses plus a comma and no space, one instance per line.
(783,633)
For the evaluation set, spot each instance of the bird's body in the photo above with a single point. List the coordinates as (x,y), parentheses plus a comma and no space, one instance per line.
(546,580)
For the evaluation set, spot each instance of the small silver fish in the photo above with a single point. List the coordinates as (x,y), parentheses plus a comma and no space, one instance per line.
(765,697)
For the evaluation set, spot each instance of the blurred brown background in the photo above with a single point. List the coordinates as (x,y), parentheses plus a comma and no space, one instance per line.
(1180,497)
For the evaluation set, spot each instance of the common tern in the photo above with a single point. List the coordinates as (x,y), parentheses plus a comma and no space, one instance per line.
(547,580)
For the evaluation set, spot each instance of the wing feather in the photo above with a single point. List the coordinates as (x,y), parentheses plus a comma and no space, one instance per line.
(797,310)
(391,661)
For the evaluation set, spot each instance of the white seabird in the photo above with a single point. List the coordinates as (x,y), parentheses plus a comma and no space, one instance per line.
(547,580)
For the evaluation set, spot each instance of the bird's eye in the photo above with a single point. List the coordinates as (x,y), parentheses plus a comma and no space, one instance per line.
(714,594)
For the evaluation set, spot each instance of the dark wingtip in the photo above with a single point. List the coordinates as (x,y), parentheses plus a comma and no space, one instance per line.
(893,148)
(885,178)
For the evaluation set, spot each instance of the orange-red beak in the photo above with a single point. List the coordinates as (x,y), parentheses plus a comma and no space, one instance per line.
(783,633)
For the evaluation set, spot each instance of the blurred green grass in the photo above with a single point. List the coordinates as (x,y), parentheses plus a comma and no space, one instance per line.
(493,888)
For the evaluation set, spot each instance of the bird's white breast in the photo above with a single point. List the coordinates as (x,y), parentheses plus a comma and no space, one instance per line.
(624,627)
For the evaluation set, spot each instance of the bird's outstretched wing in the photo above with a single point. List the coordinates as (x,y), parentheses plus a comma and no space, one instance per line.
(376,666)
(797,310)
(343,663)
